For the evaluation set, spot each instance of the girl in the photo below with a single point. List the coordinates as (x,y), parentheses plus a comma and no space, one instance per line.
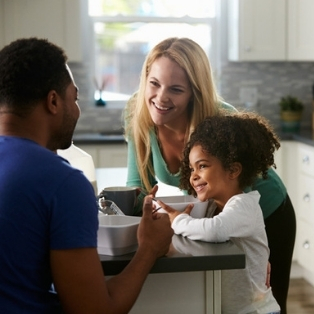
(224,155)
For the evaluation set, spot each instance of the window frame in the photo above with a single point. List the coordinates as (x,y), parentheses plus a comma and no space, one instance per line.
(213,22)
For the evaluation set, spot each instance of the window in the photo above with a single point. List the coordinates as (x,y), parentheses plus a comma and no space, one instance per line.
(126,30)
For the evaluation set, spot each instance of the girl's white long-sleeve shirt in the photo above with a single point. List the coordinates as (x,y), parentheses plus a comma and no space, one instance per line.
(241,221)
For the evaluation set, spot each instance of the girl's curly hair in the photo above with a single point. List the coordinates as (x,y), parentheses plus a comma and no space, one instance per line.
(242,137)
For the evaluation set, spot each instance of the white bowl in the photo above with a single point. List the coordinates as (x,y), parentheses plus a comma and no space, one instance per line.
(180,202)
(117,235)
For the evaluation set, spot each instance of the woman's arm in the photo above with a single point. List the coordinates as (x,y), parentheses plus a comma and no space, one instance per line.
(134,179)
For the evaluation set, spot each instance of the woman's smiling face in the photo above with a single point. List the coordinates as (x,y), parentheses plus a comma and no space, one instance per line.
(168,92)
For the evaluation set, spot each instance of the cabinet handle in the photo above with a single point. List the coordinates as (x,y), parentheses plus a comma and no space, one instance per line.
(306,245)
(306,159)
(307,198)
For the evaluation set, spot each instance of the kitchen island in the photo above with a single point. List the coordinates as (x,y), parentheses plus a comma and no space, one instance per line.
(188,278)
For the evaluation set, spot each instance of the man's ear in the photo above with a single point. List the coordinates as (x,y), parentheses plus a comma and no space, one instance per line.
(53,102)
(235,170)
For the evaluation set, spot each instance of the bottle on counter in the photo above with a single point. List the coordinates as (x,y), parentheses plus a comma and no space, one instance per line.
(79,159)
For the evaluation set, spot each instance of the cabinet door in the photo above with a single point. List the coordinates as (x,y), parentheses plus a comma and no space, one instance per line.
(300,30)
(306,159)
(257,30)
(114,155)
(40,18)
(107,155)
(305,245)
(57,20)
(306,198)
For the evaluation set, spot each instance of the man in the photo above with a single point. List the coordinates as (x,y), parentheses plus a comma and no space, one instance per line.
(48,213)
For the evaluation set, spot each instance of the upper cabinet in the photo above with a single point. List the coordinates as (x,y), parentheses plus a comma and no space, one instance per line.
(256,30)
(267,30)
(300,26)
(59,21)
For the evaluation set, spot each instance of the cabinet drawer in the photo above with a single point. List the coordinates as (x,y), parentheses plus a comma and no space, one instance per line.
(113,156)
(306,160)
(107,155)
(305,245)
(306,198)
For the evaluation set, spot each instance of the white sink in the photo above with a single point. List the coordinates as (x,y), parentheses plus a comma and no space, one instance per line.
(117,235)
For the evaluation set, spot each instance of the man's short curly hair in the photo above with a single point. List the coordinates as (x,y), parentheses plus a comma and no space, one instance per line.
(246,138)
(29,69)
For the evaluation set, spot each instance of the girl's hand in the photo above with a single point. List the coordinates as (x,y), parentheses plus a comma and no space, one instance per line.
(173,213)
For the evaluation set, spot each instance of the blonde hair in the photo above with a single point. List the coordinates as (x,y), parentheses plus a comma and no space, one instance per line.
(193,59)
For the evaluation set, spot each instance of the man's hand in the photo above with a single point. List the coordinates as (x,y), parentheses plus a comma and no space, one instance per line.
(154,232)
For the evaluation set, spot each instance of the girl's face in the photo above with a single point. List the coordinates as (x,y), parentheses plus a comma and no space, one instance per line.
(167,92)
(209,179)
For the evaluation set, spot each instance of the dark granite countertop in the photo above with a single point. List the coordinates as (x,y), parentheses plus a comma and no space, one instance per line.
(304,136)
(98,138)
(185,255)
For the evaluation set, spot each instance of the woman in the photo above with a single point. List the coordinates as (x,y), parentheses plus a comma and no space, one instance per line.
(177,92)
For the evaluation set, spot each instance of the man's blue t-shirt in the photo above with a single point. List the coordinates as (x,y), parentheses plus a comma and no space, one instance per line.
(45,204)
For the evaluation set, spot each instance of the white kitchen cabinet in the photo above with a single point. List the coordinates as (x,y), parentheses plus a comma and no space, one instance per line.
(257,30)
(59,21)
(305,245)
(305,212)
(107,155)
(300,30)
(267,30)
(306,159)
(112,156)
(285,159)
(306,198)
(289,171)
(306,183)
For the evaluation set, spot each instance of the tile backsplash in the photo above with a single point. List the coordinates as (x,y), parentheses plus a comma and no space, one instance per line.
(93,118)
(272,81)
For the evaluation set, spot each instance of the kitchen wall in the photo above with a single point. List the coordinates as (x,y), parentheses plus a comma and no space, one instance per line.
(272,80)
(94,119)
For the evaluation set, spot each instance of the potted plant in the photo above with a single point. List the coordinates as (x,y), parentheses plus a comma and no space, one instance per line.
(291,113)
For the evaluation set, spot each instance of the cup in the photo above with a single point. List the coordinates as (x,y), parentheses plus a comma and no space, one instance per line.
(123,196)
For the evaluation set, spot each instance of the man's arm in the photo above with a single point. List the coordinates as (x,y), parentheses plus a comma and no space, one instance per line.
(79,278)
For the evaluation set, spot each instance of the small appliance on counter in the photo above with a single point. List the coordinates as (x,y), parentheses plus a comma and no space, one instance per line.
(82,161)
